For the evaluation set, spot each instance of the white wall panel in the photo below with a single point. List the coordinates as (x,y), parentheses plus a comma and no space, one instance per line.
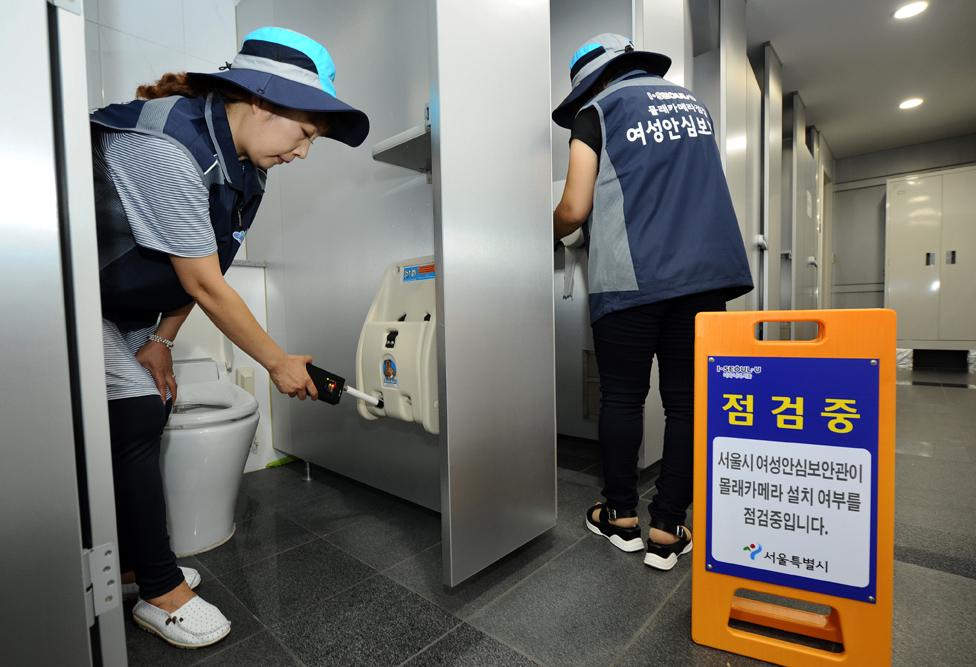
(157,21)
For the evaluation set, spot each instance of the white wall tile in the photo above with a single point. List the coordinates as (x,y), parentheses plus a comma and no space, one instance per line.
(210,28)
(93,65)
(194,64)
(128,62)
(198,338)
(159,21)
(249,283)
(253,14)
(89,9)
(264,236)
(131,42)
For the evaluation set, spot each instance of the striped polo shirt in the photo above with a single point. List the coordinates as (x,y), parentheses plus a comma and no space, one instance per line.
(168,209)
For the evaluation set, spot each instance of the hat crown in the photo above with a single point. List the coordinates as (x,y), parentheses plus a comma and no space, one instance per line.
(298,50)
(595,52)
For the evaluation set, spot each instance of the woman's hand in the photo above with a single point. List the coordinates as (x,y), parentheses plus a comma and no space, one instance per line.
(158,360)
(290,377)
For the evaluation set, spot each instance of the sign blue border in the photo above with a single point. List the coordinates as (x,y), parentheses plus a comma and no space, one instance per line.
(815,379)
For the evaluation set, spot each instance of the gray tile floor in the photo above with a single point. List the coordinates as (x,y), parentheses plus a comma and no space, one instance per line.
(331,572)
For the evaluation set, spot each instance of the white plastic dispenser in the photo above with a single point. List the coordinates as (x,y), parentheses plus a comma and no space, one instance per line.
(396,360)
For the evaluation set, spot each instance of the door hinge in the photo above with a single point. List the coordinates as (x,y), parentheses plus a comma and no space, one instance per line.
(103,590)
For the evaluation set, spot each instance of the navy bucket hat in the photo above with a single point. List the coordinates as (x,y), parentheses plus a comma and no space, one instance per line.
(293,71)
(590,62)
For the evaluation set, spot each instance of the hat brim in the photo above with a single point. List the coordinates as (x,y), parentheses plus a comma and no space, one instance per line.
(347,124)
(656,64)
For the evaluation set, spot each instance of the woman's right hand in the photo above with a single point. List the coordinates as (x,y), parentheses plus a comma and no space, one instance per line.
(290,377)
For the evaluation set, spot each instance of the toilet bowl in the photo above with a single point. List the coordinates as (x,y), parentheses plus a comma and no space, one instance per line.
(204,449)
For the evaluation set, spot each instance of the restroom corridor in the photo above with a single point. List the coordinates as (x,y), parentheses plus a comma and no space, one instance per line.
(331,572)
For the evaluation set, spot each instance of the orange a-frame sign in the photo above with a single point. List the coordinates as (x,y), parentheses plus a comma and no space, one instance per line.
(794,487)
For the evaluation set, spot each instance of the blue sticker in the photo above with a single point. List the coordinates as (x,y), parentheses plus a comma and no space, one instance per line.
(418,272)
(792,472)
(239,237)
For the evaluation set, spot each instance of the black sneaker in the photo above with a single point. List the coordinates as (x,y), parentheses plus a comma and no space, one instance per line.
(625,539)
(665,556)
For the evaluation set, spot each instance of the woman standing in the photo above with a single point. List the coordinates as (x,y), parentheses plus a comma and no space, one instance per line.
(179,176)
(645,175)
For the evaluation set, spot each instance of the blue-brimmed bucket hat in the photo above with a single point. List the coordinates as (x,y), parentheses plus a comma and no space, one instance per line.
(590,62)
(293,71)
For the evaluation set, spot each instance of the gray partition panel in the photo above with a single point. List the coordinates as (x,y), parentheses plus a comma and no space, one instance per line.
(493,242)
(572,22)
(43,615)
(330,227)
(805,247)
(772,178)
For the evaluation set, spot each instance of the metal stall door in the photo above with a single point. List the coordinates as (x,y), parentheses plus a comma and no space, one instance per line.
(957,321)
(806,245)
(57,516)
(357,216)
(491,148)
(772,164)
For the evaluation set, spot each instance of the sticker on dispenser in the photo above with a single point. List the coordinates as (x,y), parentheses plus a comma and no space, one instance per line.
(418,272)
(389,372)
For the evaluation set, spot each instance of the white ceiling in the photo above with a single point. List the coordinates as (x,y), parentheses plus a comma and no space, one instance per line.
(852,64)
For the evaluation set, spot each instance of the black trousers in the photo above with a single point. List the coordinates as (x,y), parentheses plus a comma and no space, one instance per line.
(136,426)
(625,342)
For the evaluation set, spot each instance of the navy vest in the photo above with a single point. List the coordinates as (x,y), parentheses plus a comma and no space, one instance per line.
(662,223)
(137,284)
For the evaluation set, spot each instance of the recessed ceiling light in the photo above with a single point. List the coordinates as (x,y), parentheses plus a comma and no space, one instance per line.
(911,103)
(911,9)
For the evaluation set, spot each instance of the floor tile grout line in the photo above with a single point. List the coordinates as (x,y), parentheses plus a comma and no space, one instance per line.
(287,649)
(410,557)
(487,605)
(294,613)
(372,569)
(452,629)
(422,595)
(268,557)
(650,619)
(350,554)
(223,649)
(262,626)
(925,559)
(228,647)
(486,634)
(505,643)
(528,577)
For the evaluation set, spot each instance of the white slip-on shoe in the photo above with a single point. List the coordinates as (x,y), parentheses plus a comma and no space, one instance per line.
(192,580)
(194,625)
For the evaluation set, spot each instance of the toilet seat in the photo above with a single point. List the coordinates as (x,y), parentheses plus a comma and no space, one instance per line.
(210,403)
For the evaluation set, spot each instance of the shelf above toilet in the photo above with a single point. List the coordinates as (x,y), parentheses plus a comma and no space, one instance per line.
(410,149)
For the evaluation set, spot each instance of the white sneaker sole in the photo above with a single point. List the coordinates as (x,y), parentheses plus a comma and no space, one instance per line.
(153,631)
(630,546)
(658,563)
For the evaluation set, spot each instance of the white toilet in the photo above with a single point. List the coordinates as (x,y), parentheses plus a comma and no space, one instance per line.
(204,449)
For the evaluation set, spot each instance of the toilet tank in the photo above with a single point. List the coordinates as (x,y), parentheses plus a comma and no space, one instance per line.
(192,371)
(396,359)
